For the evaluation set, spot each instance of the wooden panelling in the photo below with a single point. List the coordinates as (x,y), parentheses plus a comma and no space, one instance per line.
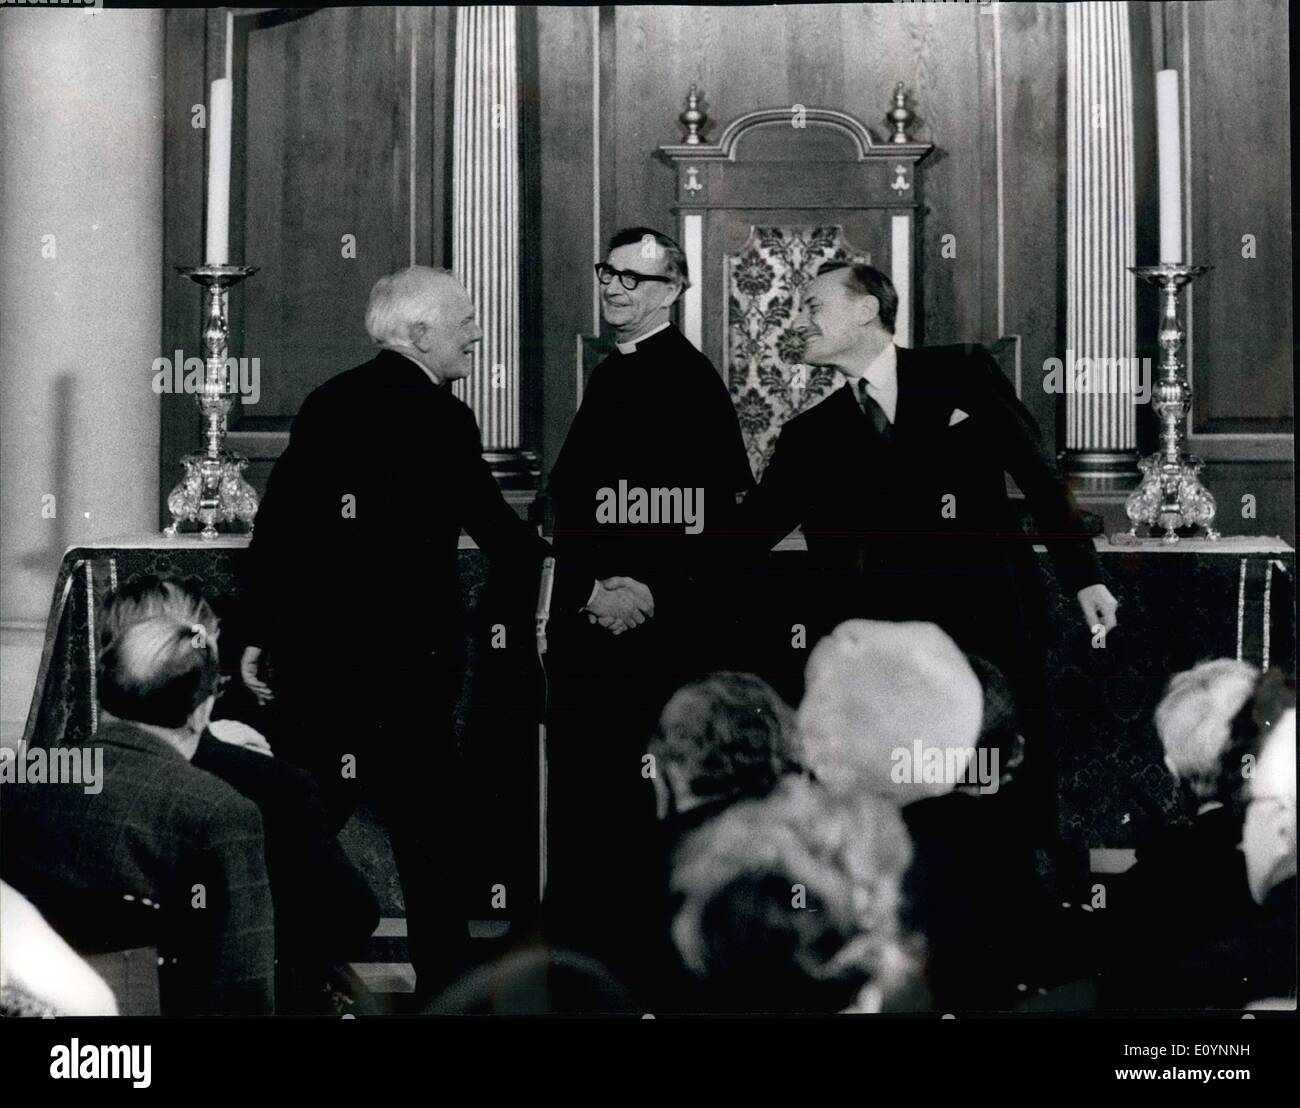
(1033,171)
(327,156)
(340,125)
(567,244)
(328,152)
(1235,72)
(839,56)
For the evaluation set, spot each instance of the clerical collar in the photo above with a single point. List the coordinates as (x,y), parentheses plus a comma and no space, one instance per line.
(630,347)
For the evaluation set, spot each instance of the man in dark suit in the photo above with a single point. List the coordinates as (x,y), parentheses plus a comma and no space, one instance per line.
(355,593)
(644,486)
(898,482)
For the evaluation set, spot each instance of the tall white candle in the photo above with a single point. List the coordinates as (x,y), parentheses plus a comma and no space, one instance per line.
(1170,143)
(219,123)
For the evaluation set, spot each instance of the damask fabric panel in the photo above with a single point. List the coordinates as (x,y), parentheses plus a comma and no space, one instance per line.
(768,383)
(1176,608)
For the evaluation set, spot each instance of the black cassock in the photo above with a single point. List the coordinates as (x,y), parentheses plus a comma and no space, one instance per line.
(659,417)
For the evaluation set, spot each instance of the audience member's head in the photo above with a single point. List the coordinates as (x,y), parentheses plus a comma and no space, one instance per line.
(160,671)
(536,982)
(1195,719)
(40,974)
(886,703)
(726,736)
(789,903)
(1269,831)
(148,595)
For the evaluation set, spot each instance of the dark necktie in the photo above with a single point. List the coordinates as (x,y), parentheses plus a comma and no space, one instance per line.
(875,412)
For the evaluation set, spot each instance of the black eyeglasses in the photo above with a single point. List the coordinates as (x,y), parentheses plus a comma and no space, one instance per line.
(628,278)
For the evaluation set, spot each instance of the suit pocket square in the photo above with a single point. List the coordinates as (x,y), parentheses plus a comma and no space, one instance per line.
(957,417)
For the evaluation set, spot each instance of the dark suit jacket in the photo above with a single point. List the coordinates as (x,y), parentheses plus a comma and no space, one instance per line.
(158,828)
(353,560)
(922,528)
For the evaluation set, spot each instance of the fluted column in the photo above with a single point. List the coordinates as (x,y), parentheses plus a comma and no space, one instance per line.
(1100,367)
(485,220)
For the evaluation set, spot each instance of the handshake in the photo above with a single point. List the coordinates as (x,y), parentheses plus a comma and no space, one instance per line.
(619,603)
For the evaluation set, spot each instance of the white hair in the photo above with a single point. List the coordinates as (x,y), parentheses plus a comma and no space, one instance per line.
(872,689)
(401,299)
(848,852)
(1194,719)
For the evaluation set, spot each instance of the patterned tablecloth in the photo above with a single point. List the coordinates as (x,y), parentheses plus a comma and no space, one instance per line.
(1179,604)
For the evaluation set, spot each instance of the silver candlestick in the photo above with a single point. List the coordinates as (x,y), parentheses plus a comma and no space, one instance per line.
(1171,494)
(213,489)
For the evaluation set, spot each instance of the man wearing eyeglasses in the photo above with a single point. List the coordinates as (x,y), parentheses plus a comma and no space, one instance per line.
(636,608)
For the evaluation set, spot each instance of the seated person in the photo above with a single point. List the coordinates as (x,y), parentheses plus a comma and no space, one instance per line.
(719,739)
(1252,958)
(896,709)
(790,904)
(40,975)
(1189,880)
(158,830)
(1269,844)
(324,908)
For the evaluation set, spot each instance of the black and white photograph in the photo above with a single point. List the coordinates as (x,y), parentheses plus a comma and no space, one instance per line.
(523,514)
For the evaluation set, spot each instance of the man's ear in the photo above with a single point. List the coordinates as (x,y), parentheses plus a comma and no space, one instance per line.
(871,309)
(674,295)
(417,334)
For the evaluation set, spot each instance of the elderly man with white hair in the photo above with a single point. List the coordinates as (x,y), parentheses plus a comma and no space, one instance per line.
(1189,881)
(1249,960)
(895,709)
(355,594)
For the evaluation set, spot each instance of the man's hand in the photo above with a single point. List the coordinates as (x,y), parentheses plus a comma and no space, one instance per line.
(1098,607)
(248,672)
(619,604)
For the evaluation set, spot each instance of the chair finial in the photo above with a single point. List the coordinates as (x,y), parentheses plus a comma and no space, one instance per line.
(900,116)
(693,118)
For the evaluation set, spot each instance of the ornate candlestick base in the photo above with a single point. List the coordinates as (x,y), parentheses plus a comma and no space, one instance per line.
(1171,494)
(213,489)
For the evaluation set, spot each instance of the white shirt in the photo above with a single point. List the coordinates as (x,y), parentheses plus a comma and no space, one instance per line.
(630,347)
(882,381)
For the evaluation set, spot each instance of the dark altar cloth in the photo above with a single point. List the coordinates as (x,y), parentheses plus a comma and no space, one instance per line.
(1178,606)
